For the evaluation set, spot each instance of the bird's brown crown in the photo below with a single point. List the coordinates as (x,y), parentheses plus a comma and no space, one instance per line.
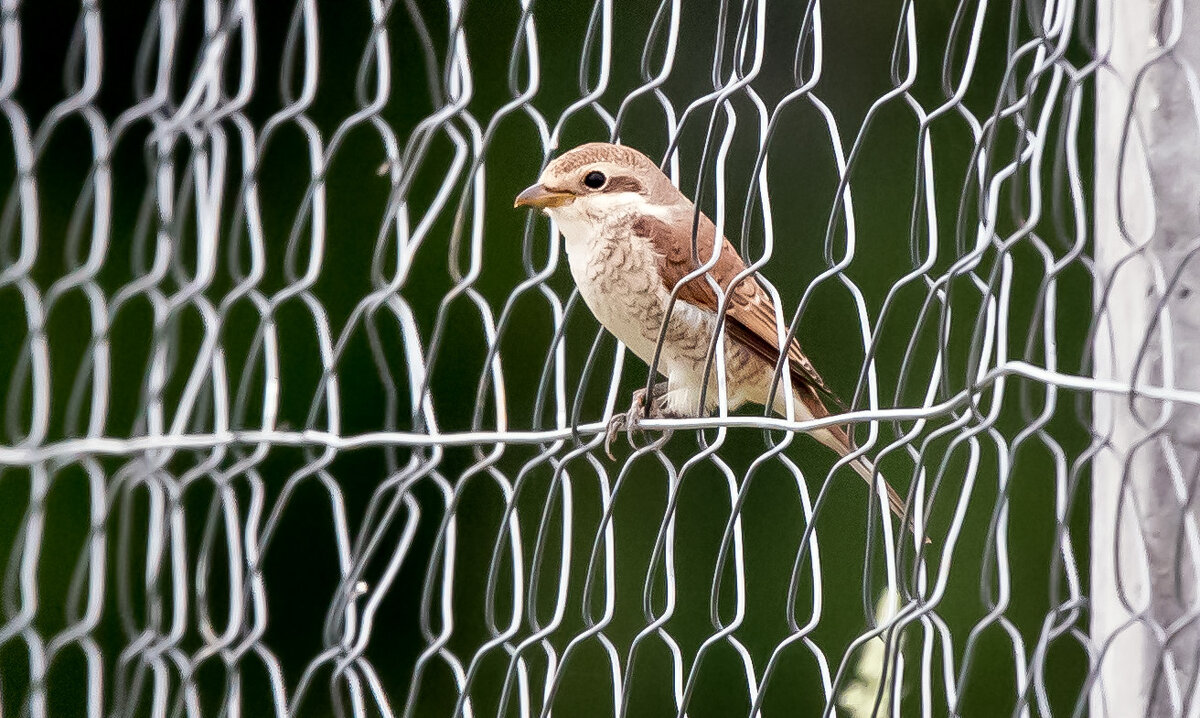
(624,169)
(597,152)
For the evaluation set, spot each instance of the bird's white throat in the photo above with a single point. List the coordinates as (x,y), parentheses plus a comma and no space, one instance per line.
(584,220)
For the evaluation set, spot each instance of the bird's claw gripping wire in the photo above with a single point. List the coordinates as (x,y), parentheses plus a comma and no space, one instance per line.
(630,421)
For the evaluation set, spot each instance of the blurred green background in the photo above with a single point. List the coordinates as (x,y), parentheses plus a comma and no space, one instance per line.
(301,565)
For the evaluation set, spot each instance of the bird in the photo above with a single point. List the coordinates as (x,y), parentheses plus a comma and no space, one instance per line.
(628,233)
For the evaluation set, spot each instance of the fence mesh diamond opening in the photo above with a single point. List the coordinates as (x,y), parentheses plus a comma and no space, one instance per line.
(301,418)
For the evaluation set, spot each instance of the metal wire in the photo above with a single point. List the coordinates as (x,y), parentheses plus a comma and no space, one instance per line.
(302,419)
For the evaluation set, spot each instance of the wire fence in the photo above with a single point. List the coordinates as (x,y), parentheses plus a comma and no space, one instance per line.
(301,418)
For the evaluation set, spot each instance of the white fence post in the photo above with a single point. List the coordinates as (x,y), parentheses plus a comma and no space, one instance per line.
(1145,546)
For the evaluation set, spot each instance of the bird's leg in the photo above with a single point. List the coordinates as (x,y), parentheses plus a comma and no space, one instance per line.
(637,411)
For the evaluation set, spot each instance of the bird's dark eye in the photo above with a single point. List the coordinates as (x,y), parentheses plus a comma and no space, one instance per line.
(595,180)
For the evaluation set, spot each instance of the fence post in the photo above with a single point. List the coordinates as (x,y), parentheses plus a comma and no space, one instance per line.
(1145,548)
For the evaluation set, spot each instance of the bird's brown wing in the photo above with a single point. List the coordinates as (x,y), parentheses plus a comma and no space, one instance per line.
(750,313)
(749,318)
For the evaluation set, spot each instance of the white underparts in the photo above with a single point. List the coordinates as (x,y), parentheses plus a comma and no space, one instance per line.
(617,275)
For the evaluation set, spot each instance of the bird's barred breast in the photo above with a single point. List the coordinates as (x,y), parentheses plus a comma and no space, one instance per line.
(618,278)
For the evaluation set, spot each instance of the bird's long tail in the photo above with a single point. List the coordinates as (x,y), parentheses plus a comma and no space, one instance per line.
(837,439)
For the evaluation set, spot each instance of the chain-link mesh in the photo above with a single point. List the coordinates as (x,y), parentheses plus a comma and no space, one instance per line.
(301,418)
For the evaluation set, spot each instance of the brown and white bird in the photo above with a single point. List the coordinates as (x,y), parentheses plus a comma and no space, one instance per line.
(628,234)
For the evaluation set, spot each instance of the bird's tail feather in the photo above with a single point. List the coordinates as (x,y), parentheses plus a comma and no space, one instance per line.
(837,439)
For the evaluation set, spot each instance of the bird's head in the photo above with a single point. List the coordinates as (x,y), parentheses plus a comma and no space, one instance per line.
(599,182)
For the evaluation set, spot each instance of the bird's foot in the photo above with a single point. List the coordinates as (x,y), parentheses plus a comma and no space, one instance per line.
(630,421)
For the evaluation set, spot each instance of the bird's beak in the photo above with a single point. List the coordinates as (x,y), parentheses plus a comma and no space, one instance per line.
(540,197)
